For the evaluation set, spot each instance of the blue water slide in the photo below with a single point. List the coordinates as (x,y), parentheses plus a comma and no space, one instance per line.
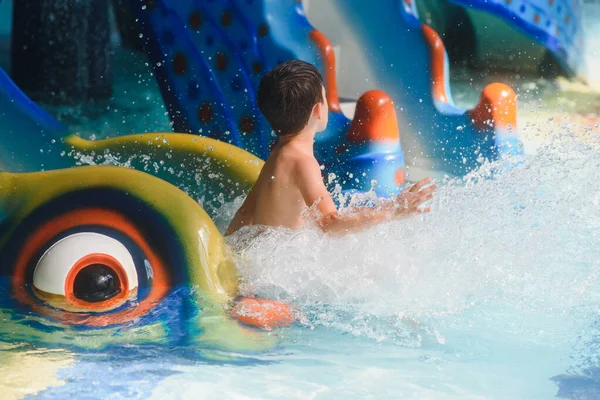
(408,59)
(556,25)
(208,58)
(28,133)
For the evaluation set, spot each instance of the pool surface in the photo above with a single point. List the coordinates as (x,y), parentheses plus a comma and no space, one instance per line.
(444,306)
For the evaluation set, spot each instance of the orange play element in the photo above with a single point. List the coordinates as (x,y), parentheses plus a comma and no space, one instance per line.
(263,313)
(497,108)
(374,119)
(326,50)
(99,217)
(498,105)
(437,57)
(102,259)
(399,176)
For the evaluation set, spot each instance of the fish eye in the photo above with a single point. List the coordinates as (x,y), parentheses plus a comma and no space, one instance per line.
(90,266)
(88,271)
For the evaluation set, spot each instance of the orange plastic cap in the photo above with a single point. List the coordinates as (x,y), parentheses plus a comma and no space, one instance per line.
(374,119)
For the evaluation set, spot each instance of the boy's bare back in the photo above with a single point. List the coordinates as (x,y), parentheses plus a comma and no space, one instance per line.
(279,200)
(289,182)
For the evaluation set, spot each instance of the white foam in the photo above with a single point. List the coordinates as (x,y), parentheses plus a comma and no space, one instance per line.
(519,245)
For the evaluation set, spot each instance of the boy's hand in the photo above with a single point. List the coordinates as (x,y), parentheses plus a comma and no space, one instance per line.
(409,201)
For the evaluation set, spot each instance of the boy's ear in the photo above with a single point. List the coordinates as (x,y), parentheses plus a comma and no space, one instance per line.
(316,111)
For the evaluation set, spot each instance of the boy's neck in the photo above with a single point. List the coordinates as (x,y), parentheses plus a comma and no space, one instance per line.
(305,139)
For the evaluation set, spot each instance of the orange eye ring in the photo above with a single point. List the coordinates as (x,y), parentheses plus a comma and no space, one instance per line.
(91,259)
(36,241)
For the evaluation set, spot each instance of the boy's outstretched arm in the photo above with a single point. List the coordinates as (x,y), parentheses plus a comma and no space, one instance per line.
(245,215)
(310,183)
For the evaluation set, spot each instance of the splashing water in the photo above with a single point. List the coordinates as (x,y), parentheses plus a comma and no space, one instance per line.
(518,249)
(501,279)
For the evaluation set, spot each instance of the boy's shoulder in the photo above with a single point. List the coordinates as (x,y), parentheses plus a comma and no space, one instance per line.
(291,155)
(293,164)
(304,165)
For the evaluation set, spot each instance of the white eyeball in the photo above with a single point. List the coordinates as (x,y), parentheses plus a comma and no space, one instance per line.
(87,265)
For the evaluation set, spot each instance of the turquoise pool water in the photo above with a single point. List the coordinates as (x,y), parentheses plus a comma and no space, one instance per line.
(492,296)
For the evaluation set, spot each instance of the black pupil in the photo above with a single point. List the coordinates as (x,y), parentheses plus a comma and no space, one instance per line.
(96,283)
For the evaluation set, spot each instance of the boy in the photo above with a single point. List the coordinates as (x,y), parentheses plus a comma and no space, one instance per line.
(292,98)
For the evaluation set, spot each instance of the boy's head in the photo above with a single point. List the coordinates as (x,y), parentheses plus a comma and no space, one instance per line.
(292,97)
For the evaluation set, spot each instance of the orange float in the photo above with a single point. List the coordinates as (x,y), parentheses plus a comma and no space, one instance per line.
(263,313)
